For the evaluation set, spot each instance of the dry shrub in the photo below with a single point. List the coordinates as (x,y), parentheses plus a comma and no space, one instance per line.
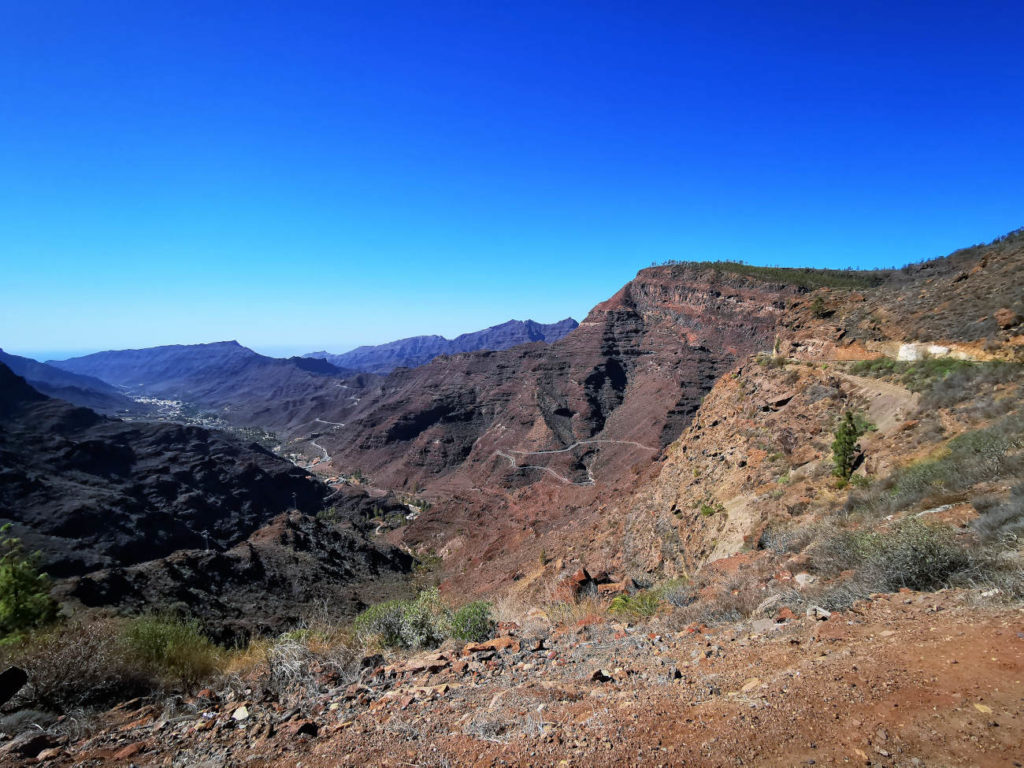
(730,599)
(911,554)
(964,381)
(1001,519)
(782,540)
(514,608)
(296,667)
(993,453)
(586,609)
(79,664)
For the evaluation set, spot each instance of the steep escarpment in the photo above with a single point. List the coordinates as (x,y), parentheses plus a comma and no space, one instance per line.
(530,452)
(633,371)
(522,449)
(758,453)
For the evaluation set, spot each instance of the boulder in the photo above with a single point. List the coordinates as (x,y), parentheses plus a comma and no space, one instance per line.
(130,751)
(819,613)
(27,744)
(12,680)
(497,644)
(297,728)
(1006,318)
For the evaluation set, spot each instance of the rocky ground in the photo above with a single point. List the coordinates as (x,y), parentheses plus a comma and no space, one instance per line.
(907,679)
(680,439)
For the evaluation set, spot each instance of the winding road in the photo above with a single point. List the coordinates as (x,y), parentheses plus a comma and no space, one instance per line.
(315,444)
(332,423)
(590,475)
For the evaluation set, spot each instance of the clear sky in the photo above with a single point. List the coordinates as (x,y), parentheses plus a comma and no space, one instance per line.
(307,175)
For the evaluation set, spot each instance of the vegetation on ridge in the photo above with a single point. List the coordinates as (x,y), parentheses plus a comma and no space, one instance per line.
(803,277)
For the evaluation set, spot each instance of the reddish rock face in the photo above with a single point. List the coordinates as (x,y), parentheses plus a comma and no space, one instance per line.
(540,450)
(511,445)
(578,412)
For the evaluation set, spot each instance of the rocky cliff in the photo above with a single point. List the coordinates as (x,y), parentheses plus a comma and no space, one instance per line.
(533,450)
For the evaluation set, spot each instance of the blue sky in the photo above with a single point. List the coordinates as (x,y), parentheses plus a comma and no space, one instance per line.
(311,175)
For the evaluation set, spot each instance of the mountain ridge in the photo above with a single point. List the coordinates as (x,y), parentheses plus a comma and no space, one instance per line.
(236,383)
(414,351)
(87,391)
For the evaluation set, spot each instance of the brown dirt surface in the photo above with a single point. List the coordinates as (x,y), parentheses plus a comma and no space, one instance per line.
(907,679)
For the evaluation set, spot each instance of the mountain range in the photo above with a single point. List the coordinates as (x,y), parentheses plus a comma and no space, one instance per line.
(229,380)
(243,387)
(76,388)
(725,473)
(418,350)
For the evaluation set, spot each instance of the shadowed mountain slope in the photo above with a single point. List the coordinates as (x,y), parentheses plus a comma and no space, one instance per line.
(79,389)
(91,491)
(236,383)
(150,516)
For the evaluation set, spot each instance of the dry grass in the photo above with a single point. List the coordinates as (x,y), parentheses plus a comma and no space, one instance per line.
(295,667)
(588,609)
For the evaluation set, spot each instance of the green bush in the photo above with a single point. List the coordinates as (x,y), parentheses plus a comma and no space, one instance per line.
(973,457)
(880,366)
(381,624)
(472,622)
(328,515)
(25,601)
(177,648)
(912,554)
(642,605)
(424,622)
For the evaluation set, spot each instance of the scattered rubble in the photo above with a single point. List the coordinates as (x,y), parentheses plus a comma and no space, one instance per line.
(783,690)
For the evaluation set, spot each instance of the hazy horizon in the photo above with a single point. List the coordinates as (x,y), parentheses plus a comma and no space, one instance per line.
(180,172)
(287,350)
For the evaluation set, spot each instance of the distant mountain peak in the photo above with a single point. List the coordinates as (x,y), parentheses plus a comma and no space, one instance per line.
(419,350)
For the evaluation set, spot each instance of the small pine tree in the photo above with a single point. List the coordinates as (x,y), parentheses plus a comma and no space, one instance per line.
(818,308)
(845,447)
(25,601)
